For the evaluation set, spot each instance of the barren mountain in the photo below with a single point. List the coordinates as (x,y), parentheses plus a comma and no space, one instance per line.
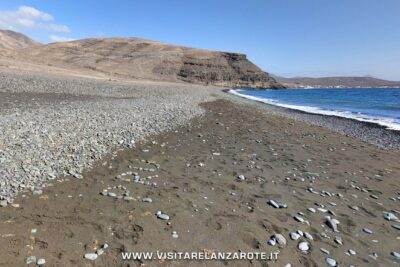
(15,40)
(365,81)
(150,60)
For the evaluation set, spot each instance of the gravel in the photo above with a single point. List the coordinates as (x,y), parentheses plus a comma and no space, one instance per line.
(52,127)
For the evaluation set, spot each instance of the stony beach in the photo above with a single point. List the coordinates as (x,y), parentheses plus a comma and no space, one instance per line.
(90,169)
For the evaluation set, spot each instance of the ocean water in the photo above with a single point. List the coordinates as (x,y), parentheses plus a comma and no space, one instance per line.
(374,105)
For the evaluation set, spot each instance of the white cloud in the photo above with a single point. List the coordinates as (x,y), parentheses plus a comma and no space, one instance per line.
(26,17)
(57,39)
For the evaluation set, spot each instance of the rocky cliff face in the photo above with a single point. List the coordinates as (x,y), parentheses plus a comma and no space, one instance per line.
(225,69)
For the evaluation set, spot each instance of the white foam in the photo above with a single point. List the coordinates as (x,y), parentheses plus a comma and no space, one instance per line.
(391,124)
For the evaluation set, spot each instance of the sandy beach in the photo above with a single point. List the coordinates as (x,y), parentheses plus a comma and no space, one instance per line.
(209,183)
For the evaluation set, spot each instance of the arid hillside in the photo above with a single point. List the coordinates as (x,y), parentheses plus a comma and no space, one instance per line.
(14,40)
(133,58)
(150,60)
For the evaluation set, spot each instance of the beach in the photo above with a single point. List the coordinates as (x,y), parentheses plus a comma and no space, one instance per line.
(95,168)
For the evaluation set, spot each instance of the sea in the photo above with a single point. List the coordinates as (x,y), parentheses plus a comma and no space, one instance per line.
(374,105)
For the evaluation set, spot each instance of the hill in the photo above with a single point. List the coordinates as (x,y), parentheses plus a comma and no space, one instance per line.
(15,40)
(336,82)
(135,58)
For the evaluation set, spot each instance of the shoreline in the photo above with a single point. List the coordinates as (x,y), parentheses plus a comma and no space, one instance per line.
(369,132)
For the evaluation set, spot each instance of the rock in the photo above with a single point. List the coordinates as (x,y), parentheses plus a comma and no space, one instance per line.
(354,208)
(299,219)
(273,203)
(162,216)
(41,262)
(312,210)
(3,203)
(147,200)
(111,194)
(308,236)
(366,230)
(91,256)
(280,239)
(332,223)
(241,178)
(352,252)
(294,236)
(271,242)
(390,216)
(277,205)
(105,246)
(303,246)
(396,226)
(31,259)
(300,232)
(174,234)
(338,240)
(395,254)
(330,262)
(37,192)
(324,250)
(100,251)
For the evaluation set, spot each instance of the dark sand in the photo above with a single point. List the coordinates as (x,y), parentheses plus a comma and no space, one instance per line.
(72,218)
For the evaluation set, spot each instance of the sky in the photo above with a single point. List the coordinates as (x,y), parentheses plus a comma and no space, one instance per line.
(285,37)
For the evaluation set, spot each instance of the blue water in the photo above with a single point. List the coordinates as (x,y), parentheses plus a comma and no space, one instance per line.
(375,105)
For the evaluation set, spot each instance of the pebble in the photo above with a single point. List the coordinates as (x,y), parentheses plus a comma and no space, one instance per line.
(312,210)
(147,200)
(271,242)
(106,114)
(31,259)
(351,252)
(273,203)
(366,230)
(111,194)
(162,216)
(299,219)
(396,226)
(332,223)
(3,203)
(308,236)
(294,236)
(355,208)
(174,234)
(338,240)
(304,246)
(324,250)
(390,216)
(37,192)
(330,262)
(395,254)
(280,239)
(91,256)
(41,262)
(241,177)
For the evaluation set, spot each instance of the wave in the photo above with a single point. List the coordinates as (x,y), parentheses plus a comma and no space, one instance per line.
(388,123)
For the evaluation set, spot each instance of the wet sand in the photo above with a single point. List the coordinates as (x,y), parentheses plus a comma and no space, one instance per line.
(210,209)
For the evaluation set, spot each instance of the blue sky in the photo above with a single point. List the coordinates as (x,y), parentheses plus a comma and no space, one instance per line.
(284,37)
